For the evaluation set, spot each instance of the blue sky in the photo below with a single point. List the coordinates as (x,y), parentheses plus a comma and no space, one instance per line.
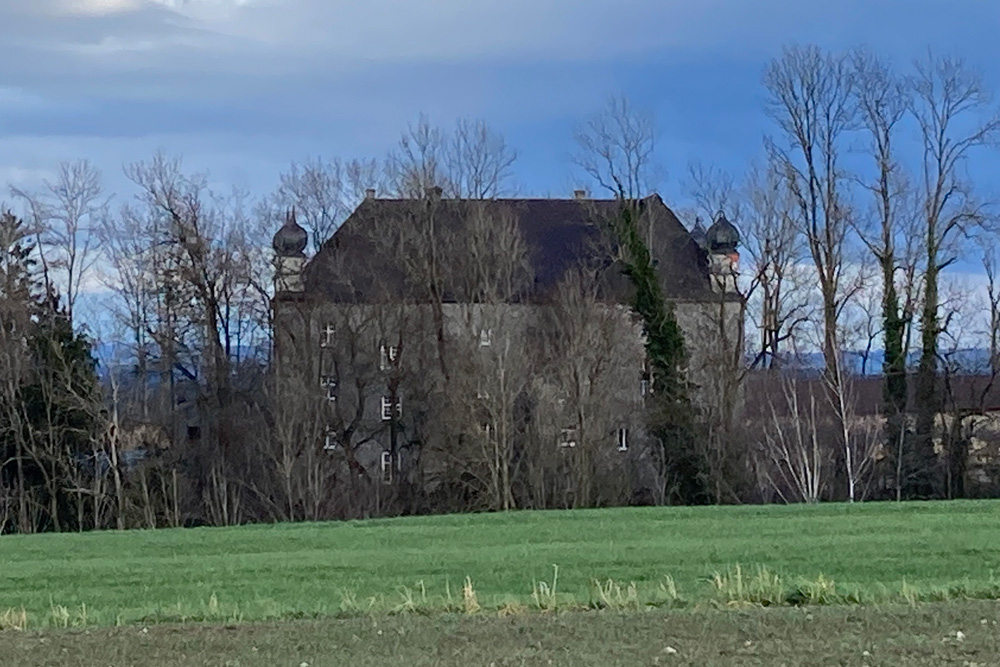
(243,87)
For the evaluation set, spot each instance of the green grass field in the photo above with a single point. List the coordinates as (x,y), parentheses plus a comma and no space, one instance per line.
(483,563)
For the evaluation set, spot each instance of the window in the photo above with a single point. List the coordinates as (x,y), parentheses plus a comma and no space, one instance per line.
(388,408)
(388,356)
(326,336)
(646,380)
(330,441)
(387,467)
(485,337)
(622,439)
(567,437)
(329,384)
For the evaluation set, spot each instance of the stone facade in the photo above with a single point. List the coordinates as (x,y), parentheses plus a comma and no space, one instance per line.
(400,387)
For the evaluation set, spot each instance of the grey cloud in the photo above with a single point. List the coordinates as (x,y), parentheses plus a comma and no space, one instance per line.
(282,79)
(213,47)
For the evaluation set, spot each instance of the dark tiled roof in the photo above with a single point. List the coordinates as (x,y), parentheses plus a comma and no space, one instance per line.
(766,391)
(361,261)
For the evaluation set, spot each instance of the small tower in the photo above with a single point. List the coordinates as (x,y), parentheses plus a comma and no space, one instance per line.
(289,244)
(721,239)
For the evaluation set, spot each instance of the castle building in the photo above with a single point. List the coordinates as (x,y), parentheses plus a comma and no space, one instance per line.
(488,346)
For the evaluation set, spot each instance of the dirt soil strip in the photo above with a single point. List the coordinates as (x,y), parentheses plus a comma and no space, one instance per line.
(963,633)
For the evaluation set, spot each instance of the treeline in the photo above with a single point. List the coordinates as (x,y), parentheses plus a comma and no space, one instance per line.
(864,200)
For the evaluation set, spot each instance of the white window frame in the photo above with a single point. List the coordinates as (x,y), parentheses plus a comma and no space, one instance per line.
(386,465)
(485,337)
(329,383)
(622,438)
(330,442)
(388,356)
(328,334)
(567,437)
(388,407)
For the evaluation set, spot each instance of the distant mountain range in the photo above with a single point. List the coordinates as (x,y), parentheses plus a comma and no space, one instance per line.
(122,355)
(970,360)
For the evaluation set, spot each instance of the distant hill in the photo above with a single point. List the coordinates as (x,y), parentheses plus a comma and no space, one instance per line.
(972,360)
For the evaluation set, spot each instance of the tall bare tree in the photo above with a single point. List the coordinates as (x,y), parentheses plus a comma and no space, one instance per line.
(955,117)
(192,274)
(774,282)
(615,149)
(810,99)
(890,234)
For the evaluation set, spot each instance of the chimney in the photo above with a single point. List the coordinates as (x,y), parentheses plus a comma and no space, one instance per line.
(370,193)
(579,194)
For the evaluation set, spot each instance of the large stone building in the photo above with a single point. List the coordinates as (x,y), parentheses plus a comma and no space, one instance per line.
(487,348)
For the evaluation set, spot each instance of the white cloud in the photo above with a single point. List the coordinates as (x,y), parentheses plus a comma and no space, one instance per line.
(78,7)
(22,177)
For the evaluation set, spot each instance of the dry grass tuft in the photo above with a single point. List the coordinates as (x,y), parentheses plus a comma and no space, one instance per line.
(60,616)
(909,594)
(407,604)
(511,609)
(612,595)
(14,619)
(470,603)
(736,588)
(543,594)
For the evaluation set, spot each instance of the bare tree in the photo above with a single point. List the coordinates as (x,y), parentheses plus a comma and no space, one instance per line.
(323,193)
(192,275)
(472,161)
(773,281)
(713,189)
(810,98)
(478,161)
(990,258)
(890,233)
(861,324)
(955,117)
(616,149)
(592,357)
(858,439)
(497,275)
(418,161)
(965,383)
(793,445)
(68,212)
